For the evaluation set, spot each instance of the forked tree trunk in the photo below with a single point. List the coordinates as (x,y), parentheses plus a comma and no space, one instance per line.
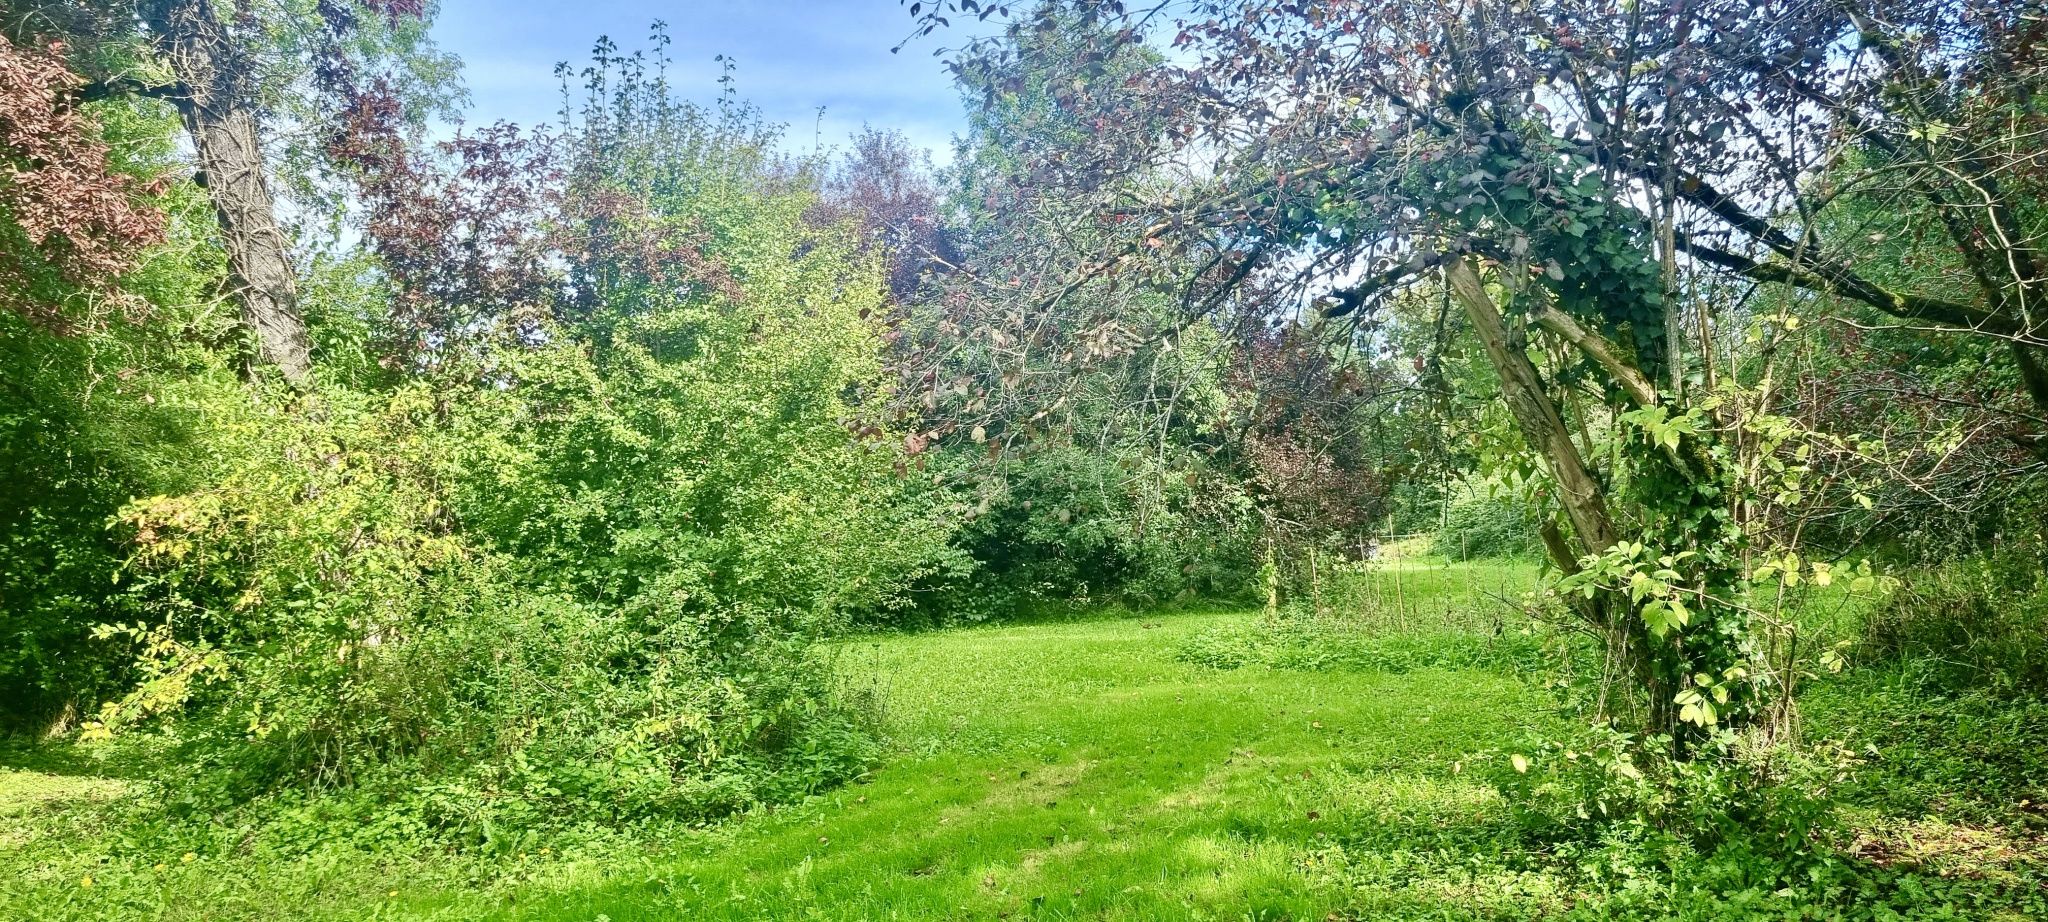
(216,101)
(1583,499)
(1585,503)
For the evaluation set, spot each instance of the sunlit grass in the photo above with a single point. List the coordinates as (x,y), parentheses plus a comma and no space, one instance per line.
(1057,770)
(1079,771)
(1052,770)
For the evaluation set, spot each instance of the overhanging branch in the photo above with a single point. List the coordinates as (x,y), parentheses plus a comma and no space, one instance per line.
(1350,299)
(129,86)
(1837,281)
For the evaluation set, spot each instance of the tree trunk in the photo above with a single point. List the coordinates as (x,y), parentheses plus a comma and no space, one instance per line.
(2033,363)
(1583,499)
(1585,503)
(215,99)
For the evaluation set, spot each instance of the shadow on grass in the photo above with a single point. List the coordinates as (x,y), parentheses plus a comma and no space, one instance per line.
(55,757)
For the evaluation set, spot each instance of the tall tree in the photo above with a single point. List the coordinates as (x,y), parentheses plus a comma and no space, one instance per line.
(245,78)
(215,95)
(891,189)
(1335,155)
(1740,131)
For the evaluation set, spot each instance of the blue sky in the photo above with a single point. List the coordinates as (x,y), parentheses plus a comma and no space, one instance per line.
(793,56)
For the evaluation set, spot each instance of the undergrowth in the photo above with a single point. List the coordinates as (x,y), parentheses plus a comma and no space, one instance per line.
(1313,643)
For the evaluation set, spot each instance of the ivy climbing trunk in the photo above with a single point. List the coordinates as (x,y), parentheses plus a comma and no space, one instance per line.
(215,98)
(1583,498)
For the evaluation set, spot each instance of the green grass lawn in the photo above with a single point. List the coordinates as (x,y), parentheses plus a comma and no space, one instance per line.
(1078,771)
(1057,770)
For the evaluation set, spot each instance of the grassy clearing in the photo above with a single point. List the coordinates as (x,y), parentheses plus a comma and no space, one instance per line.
(1053,770)
(1059,770)
(1408,591)
(1079,771)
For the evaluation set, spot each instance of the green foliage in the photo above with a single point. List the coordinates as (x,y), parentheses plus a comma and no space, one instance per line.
(319,622)
(1062,525)
(581,582)
(1744,828)
(1541,198)
(88,422)
(1477,525)
(1970,756)
(1979,622)
(1588,784)
(694,454)
(574,566)
(69,464)
(1525,195)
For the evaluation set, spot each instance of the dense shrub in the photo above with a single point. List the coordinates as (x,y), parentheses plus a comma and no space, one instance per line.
(1065,525)
(578,577)
(1823,830)
(68,465)
(92,419)
(508,714)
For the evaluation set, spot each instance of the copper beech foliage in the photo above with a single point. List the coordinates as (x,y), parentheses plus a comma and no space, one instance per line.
(85,223)
(499,230)
(888,188)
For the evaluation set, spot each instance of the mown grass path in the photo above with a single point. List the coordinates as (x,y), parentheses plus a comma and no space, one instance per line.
(1078,771)
(1055,771)
(1081,771)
